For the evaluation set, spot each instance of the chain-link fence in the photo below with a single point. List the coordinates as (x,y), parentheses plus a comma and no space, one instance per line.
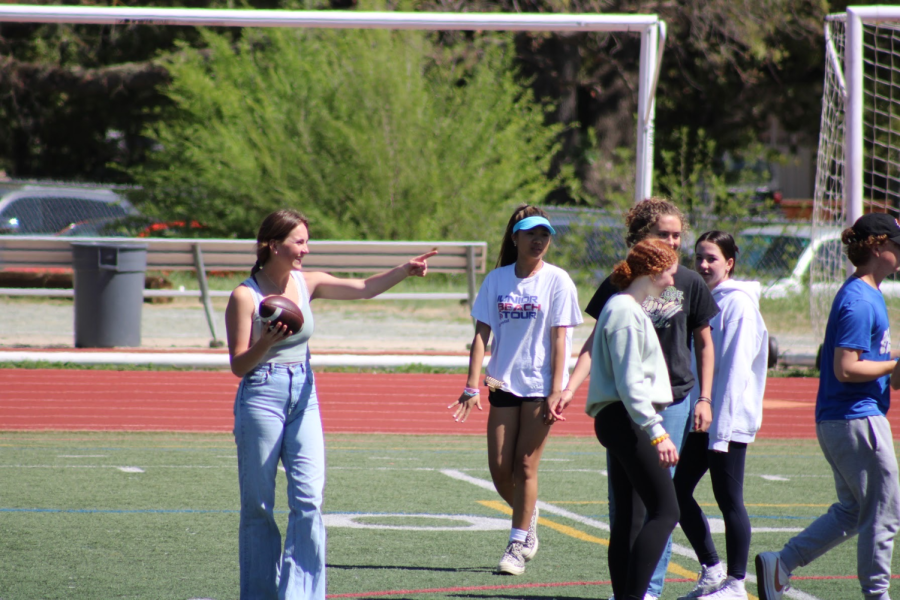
(772,250)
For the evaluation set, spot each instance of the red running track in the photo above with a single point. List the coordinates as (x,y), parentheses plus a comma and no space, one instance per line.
(71,400)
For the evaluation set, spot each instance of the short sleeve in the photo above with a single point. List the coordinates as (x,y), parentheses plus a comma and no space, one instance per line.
(481,310)
(606,291)
(703,306)
(854,326)
(565,303)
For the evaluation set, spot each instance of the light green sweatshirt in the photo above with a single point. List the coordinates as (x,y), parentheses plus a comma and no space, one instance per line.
(628,365)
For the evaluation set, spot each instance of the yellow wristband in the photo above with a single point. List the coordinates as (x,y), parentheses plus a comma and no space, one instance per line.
(660,439)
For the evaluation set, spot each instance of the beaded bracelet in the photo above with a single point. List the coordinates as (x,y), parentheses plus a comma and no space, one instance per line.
(660,439)
(470,392)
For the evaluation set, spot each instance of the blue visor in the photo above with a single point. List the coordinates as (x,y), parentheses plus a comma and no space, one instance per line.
(532,222)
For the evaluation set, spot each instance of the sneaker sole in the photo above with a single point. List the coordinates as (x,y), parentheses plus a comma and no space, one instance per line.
(505,569)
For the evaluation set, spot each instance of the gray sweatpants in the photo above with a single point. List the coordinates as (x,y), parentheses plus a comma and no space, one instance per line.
(861,455)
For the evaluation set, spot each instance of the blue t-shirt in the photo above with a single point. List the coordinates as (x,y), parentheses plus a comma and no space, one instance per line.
(858,321)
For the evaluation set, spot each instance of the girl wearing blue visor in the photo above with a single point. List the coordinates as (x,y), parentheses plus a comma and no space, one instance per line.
(531,307)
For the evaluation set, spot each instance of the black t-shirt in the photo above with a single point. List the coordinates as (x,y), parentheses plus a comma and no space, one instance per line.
(682,308)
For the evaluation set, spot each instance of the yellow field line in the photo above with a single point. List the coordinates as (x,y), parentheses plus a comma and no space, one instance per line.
(674,568)
(564,529)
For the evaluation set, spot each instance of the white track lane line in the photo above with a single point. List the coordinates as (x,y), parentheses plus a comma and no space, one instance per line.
(550,508)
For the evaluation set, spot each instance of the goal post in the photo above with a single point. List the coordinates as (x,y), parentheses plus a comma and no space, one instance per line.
(858,166)
(651,29)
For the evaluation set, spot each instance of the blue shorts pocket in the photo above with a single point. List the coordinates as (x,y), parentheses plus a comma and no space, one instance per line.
(258,376)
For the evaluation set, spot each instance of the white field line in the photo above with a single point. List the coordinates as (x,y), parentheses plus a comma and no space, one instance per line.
(82,456)
(474,469)
(793,593)
(117,467)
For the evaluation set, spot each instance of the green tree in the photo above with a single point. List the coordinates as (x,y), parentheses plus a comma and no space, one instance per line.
(373,134)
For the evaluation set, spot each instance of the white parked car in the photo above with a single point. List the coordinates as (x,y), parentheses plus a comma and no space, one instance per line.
(781,256)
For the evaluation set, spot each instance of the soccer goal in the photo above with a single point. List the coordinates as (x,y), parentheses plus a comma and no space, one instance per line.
(651,29)
(858,167)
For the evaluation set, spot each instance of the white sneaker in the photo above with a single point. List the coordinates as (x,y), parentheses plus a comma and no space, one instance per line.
(531,540)
(708,580)
(731,589)
(771,580)
(513,562)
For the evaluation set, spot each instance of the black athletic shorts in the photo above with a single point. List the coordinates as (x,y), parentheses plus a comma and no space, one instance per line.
(502,399)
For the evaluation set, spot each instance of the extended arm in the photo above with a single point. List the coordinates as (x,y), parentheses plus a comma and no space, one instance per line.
(557,402)
(327,286)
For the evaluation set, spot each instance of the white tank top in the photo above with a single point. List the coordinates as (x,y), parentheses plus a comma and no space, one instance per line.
(293,349)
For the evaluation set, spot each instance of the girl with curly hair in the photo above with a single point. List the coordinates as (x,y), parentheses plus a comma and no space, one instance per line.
(680,316)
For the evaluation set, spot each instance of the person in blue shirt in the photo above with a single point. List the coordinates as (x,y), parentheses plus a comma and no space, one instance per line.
(858,370)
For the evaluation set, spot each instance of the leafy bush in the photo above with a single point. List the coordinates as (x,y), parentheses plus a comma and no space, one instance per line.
(372,134)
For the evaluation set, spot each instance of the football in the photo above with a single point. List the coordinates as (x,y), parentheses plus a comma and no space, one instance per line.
(278,309)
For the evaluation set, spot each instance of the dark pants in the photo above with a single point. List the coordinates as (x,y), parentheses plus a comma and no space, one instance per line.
(726,472)
(646,507)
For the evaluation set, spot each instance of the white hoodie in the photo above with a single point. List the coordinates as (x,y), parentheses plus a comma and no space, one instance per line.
(741,343)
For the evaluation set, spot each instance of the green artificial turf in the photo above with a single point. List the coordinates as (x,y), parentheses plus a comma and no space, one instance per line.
(150,515)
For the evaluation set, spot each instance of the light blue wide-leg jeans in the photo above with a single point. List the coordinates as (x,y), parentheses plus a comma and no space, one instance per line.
(277,418)
(677,421)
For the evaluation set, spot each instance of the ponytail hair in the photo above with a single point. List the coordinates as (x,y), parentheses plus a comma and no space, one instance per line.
(859,250)
(649,257)
(508,254)
(725,242)
(275,228)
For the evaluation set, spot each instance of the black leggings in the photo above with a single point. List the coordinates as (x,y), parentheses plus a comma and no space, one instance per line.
(646,507)
(726,472)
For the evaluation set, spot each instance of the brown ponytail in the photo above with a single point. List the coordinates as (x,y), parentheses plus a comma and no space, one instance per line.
(275,228)
(859,251)
(508,253)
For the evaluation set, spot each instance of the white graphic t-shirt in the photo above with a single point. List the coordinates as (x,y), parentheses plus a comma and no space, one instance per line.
(520,313)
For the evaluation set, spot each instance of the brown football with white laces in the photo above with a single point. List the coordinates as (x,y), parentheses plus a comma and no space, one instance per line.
(278,309)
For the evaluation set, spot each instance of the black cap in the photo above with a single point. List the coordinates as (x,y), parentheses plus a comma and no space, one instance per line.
(877,224)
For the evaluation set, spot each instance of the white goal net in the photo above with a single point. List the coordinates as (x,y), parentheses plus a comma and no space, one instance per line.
(858,168)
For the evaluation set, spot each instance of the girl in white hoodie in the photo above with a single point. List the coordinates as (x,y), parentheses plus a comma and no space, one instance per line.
(741,344)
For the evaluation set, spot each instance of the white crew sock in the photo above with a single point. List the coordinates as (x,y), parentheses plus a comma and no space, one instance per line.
(518,535)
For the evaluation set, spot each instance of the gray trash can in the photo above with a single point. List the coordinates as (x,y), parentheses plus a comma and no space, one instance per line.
(109,293)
